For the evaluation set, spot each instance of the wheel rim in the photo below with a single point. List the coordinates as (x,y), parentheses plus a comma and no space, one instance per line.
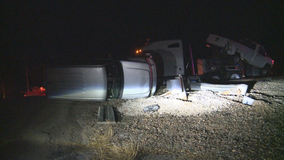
(215,77)
(235,76)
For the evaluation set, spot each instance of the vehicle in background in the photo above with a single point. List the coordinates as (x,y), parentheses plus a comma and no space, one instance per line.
(113,80)
(35,91)
(245,50)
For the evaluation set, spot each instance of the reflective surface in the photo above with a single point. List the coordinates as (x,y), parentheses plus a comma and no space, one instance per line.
(77,83)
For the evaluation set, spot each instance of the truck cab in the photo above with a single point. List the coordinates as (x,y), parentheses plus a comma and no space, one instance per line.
(170,52)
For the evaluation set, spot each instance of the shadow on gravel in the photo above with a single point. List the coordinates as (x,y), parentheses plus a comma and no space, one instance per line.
(15,116)
(250,85)
(17,112)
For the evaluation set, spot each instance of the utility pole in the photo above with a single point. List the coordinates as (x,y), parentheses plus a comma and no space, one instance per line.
(3,89)
(27,75)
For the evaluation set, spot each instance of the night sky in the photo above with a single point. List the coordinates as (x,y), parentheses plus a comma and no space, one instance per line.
(86,30)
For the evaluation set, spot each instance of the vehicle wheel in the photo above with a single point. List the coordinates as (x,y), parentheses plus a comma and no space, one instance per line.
(222,72)
(218,74)
(159,67)
(235,76)
(264,71)
(236,58)
(215,77)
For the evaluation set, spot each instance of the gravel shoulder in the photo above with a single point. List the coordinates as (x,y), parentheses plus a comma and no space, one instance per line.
(208,126)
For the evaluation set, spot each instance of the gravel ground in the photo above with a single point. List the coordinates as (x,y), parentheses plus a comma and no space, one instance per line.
(208,126)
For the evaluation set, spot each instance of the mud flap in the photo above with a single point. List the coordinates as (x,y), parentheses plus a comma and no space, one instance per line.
(106,115)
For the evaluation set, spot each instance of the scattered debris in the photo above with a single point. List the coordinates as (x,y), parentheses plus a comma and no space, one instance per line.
(151,108)
(235,89)
(248,100)
(232,92)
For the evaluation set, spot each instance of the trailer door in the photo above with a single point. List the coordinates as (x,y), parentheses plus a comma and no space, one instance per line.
(77,82)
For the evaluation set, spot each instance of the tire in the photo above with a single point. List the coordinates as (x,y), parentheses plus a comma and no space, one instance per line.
(219,74)
(222,72)
(265,70)
(236,58)
(235,76)
(215,77)
(159,67)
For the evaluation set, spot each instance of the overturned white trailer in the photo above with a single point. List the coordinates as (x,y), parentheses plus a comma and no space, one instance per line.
(114,80)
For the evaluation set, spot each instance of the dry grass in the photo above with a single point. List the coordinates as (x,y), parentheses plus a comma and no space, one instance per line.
(107,150)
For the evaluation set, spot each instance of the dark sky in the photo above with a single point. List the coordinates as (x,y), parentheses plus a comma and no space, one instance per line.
(94,29)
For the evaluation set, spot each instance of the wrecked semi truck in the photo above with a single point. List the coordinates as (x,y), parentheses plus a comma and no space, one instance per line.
(140,75)
(173,58)
(169,56)
(245,51)
(136,77)
(113,80)
(229,59)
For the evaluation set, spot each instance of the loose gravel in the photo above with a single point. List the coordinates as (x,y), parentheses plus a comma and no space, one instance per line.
(207,126)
